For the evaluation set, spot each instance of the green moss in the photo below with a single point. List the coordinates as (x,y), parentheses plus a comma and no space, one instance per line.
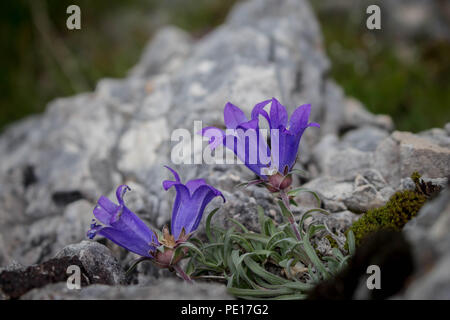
(400,208)
(333,242)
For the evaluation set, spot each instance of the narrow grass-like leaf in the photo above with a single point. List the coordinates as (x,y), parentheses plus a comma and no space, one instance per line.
(261,217)
(300,172)
(227,245)
(256,237)
(295,296)
(284,211)
(351,242)
(263,273)
(296,191)
(240,225)
(259,293)
(192,247)
(314,258)
(208,224)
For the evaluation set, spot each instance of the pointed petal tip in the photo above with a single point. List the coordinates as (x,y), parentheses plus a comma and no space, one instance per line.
(233,116)
(175,174)
(120,192)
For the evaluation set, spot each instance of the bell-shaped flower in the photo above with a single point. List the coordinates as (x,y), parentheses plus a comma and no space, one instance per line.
(190,202)
(120,225)
(285,137)
(243,137)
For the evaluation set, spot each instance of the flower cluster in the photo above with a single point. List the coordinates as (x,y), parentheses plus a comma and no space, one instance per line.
(273,166)
(120,225)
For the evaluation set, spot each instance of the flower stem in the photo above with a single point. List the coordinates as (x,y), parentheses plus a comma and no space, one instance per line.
(285,199)
(182,274)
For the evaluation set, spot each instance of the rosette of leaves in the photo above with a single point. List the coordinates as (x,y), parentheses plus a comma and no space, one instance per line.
(270,264)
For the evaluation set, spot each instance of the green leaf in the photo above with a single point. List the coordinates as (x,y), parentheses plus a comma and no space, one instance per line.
(292,201)
(257,237)
(261,217)
(237,261)
(296,191)
(269,227)
(300,172)
(314,258)
(263,273)
(190,267)
(273,238)
(227,245)
(208,224)
(287,267)
(135,264)
(212,245)
(351,242)
(295,296)
(244,243)
(191,247)
(297,285)
(240,225)
(259,293)
(285,211)
(246,183)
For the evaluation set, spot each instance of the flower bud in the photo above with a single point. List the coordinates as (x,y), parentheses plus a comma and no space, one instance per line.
(278,182)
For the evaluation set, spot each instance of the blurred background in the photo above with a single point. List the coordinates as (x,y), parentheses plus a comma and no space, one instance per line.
(402,70)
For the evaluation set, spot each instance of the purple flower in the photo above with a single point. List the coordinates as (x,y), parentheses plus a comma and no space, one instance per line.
(190,202)
(243,137)
(120,225)
(285,136)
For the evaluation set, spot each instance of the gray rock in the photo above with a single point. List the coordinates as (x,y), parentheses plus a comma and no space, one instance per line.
(169,48)
(357,116)
(364,138)
(428,234)
(438,136)
(363,198)
(338,194)
(447,128)
(337,160)
(74,225)
(435,286)
(432,221)
(332,191)
(97,260)
(399,155)
(373,177)
(166,289)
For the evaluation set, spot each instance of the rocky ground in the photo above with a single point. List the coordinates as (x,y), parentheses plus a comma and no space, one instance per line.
(55,166)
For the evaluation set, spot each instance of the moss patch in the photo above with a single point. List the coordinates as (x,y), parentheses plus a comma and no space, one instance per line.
(401,207)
